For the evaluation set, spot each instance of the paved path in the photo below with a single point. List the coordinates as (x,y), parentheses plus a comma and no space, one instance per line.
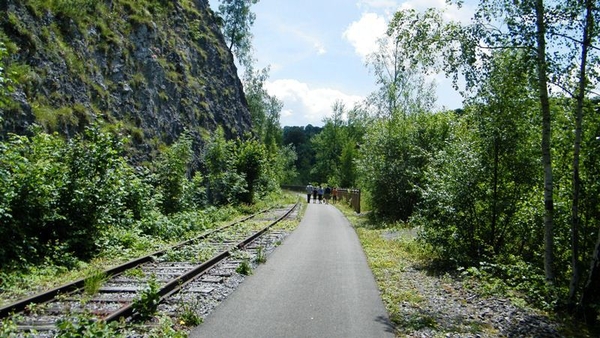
(316,284)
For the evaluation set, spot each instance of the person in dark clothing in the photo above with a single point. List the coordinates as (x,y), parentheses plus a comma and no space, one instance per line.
(327,195)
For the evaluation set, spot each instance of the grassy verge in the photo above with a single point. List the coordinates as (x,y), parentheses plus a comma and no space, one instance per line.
(388,260)
(391,250)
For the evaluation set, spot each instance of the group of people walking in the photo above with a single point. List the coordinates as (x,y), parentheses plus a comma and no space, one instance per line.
(321,195)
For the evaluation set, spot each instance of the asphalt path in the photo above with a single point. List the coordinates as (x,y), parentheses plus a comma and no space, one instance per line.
(316,284)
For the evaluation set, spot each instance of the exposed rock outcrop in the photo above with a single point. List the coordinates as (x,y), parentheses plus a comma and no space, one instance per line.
(152,68)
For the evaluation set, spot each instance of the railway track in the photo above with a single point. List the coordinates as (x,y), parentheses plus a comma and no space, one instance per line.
(135,290)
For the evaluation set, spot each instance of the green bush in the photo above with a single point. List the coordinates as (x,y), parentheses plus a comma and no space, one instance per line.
(95,190)
(31,180)
(393,160)
(59,197)
(250,162)
(171,174)
(224,184)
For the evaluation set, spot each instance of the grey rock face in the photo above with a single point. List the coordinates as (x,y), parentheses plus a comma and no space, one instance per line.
(153,71)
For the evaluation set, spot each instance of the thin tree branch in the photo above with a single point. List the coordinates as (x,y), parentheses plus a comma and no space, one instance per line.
(574,40)
(505,47)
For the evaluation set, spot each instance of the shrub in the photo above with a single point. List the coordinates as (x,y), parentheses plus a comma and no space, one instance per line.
(171,173)
(146,305)
(31,177)
(60,197)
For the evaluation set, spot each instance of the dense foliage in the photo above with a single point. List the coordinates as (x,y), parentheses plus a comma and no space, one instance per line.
(508,186)
(72,198)
(300,140)
(4,81)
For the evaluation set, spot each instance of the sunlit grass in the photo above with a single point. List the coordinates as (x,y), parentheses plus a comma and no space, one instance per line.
(93,282)
(389,252)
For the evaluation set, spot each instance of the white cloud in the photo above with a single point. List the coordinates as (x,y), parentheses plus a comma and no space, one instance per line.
(286,113)
(305,38)
(305,103)
(378,4)
(451,12)
(320,48)
(363,34)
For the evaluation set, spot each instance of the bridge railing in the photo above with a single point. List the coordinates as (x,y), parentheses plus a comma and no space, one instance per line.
(351,196)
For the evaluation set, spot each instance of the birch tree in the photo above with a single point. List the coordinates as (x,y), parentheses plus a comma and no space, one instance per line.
(237,22)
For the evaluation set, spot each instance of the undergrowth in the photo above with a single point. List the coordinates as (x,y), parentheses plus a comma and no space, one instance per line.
(84,325)
(391,248)
(146,304)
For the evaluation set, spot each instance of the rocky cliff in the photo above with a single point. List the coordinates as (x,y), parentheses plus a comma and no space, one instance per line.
(149,68)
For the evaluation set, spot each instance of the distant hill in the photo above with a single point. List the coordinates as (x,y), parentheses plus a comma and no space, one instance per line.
(150,68)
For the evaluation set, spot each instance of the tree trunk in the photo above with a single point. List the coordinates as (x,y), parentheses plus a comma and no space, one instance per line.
(546,135)
(575,263)
(493,242)
(590,293)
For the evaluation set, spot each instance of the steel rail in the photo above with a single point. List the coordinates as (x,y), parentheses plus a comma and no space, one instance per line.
(178,283)
(46,296)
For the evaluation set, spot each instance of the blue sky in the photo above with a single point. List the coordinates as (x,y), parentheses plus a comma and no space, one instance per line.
(316,51)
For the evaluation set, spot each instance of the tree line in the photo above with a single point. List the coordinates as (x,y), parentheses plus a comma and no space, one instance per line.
(509,184)
(77,197)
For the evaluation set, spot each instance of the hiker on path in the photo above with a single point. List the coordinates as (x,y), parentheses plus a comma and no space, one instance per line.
(334,192)
(327,195)
(320,193)
(309,190)
(314,194)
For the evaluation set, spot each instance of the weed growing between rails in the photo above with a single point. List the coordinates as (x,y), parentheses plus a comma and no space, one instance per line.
(188,312)
(146,305)
(244,268)
(261,257)
(85,325)
(94,281)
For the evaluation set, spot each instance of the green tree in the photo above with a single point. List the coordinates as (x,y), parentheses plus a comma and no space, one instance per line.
(347,176)
(328,146)
(401,90)
(300,139)
(273,134)
(589,207)
(264,109)
(224,183)
(284,165)
(392,160)
(172,171)
(474,187)
(527,26)
(250,158)
(589,32)
(254,88)
(237,22)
